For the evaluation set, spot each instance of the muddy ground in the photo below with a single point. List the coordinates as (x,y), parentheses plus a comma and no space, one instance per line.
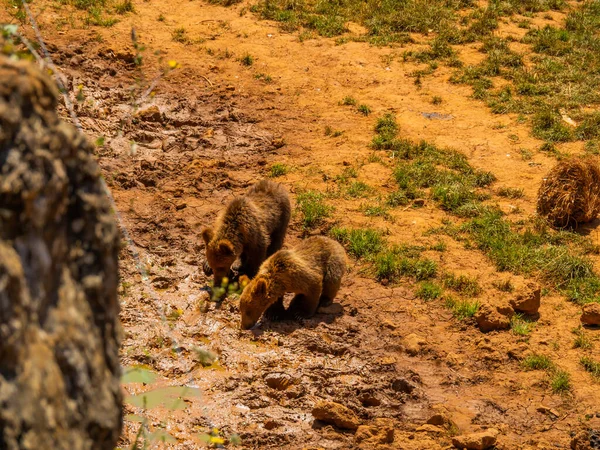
(211,129)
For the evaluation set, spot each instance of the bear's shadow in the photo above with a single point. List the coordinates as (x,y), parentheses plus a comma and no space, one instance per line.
(287,326)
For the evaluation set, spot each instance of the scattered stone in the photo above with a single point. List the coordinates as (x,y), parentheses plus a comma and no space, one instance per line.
(335,414)
(180,206)
(150,114)
(279,381)
(493,317)
(476,441)
(334,309)
(548,411)
(591,314)
(278,142)
(527,299)
(380,432)
(419,202)
(413,344)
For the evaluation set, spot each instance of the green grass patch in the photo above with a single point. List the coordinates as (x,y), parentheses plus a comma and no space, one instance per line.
(582,340)
(461,284)
(247,60)
(462,309)
(361,243)
(313,208)
(509,192)
(358,189)
(363,109)
(396,262)
(537,362)
(560,381)
(278,170)
(429,290)
(520,325)
(591,366)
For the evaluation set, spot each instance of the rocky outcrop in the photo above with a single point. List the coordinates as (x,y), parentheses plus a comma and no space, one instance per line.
(59,332)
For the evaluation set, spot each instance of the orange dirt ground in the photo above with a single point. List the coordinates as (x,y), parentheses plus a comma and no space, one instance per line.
(219,130)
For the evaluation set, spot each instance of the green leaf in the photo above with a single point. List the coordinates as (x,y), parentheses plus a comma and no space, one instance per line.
(171,397)
(161,436)
(135,418)
(138,374)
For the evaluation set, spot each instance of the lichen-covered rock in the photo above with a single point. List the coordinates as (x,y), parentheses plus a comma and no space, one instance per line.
(59,332)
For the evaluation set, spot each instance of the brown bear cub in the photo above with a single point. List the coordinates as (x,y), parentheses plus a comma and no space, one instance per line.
(251,228)
(312,270)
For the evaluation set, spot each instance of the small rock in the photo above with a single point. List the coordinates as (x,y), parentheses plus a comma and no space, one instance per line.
(369,399)
(438,419)
(278,142)
(180,206)
(476,441)
(527,299)
(413,344)
(334,308)
(380,432)
(492,317)
(548,411)
(150,114)
(427,428)
(591,314)
(335,414)
(581,441)
(271,424)
(278,381)
(403,385)
(419,202)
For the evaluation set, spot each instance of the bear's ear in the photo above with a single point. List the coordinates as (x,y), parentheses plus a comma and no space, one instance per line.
(260,288)
(207,235)
(226,248)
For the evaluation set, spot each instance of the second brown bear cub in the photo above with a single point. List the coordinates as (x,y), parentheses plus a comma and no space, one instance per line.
(251,228)
(312,270)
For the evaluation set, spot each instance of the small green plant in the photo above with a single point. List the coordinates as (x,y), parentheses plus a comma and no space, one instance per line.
(264,77)
(439,246)
(359,189)
(509,192)
(520,325)
(377,211)
(504,285)
(560,381)
(429,291)
(537,362)
(313,208)
(247,60)
(462,309)
(400,261)
(364,109)
(349,101)
(180,35)
(436,100)
(278,170)
(124,7)
(526,155)
(461,284)
(161,18)
(591,366)
(582,340)
(361,243)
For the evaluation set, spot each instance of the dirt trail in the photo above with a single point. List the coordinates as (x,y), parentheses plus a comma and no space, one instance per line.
(218,129)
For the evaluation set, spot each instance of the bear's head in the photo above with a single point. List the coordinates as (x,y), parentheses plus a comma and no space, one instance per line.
(220,256)
(255,299)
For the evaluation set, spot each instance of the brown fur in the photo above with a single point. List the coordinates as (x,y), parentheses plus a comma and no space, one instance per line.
(251,228)
(312,270)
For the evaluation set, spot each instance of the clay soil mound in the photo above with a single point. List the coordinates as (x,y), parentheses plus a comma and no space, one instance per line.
(570,194)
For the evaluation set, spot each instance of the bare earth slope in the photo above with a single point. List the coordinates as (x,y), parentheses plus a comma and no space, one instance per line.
(219,127)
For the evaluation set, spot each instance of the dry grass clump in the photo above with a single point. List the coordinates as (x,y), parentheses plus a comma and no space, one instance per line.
(570,194)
